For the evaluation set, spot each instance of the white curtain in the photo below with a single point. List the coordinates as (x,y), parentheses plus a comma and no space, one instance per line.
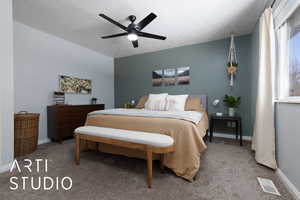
(263,142)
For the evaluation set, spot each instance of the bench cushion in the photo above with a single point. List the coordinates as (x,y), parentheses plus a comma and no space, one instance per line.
(139,137)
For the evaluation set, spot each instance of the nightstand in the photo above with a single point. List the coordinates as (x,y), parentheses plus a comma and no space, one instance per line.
(238,127)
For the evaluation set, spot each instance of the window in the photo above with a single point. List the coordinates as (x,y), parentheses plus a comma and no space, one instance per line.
(294,55)
(288,40)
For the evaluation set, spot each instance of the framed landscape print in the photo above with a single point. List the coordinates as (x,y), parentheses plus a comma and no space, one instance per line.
(70,84)
(157,77)
(183,75)
(169,77)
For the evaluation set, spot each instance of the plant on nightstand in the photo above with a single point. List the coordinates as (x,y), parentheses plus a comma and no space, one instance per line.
(232,103)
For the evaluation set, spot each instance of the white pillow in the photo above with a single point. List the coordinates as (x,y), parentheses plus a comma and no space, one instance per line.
(176,102)
(156,101)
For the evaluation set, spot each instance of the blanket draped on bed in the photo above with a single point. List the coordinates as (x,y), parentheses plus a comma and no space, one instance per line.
(184,161)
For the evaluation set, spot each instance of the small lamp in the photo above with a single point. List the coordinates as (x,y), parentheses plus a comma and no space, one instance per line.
(215,103)
(132,102)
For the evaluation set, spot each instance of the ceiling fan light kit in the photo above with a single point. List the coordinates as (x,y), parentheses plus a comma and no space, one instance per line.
(133,31)
(132,37)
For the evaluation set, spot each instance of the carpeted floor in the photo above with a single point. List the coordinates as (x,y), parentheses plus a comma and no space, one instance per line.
(228,172)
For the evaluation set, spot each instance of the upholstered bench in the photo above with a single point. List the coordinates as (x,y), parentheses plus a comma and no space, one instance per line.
(148,142)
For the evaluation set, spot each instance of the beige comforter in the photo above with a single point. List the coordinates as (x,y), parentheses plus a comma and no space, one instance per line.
(184,161)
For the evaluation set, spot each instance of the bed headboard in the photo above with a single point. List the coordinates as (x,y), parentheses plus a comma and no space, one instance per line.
(204,101)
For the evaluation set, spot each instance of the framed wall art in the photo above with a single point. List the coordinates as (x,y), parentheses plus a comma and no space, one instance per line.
(157,78)
(70,84)
(169,77)
(183,75)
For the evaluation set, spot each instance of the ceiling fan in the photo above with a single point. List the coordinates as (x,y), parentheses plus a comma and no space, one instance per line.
(133,31)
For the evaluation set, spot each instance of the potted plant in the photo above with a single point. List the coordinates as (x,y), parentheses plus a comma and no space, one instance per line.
(232,64)
(232,103)
(232,67)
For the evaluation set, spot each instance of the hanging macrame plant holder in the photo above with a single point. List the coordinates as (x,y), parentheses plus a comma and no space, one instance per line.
(232,62)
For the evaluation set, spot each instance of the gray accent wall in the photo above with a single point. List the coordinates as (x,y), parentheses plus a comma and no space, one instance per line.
(254,72)
(207,61)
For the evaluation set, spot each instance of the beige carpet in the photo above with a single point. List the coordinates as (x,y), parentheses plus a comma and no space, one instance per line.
(228,172)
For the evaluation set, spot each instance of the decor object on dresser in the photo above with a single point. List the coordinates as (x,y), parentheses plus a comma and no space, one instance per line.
(232,103)
(143,141)
(70,84)
(183,75)
(58,98)
(235,121)
(64,119)
(232,61)
(94,100)
(26,133)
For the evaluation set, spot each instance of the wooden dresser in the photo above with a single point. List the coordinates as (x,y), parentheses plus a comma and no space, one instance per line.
(63,119)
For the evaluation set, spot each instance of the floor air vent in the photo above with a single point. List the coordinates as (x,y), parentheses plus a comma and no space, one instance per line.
(268,186)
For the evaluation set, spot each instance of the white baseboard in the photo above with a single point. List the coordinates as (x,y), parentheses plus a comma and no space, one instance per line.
(289,185)
(227,135)
(5,168)
(43,141)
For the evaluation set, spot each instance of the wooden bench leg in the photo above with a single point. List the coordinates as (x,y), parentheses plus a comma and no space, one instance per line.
(149,167)
(77,151)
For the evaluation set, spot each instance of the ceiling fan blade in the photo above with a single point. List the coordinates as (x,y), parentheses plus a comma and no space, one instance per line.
(135,43)
(149,35)
(115,35)
(113,21)
(144,22)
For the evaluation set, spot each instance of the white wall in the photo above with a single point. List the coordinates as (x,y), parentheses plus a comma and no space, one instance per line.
(6,85)
(40,58)
(288,139)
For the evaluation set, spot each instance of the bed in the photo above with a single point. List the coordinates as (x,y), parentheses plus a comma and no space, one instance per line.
(188,136)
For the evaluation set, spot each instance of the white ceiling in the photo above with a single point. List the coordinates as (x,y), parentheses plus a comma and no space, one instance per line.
(183,22)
